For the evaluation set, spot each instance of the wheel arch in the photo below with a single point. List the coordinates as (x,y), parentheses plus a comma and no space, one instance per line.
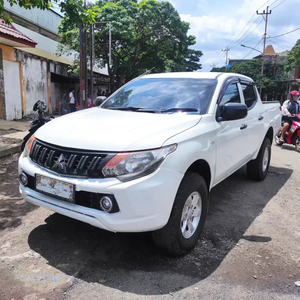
(202,168)
(270,134)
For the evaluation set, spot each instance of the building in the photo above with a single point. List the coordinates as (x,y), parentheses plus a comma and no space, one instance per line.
(31,70)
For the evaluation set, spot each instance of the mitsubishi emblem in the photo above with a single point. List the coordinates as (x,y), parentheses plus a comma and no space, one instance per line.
(61,163)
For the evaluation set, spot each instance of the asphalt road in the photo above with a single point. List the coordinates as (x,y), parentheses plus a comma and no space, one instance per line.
(250,248)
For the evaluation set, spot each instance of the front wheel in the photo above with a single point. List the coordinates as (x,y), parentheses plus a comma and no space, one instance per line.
(187,218)
(25,139)
(297,144)
(257,169)
(277,138)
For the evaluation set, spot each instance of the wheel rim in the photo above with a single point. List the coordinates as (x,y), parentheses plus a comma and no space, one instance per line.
(191,215)
(266,159)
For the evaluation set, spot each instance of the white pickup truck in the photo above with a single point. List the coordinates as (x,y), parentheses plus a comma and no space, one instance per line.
(147,158)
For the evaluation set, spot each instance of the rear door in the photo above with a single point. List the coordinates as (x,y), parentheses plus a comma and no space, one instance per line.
(255,117)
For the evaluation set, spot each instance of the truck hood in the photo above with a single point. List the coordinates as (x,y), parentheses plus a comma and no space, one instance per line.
(113,130)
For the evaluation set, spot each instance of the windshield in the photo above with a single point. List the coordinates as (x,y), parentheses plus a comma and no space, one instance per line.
(161,95)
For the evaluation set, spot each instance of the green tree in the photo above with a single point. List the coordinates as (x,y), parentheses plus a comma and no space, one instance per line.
(274,77)
(146,35)
(293,57)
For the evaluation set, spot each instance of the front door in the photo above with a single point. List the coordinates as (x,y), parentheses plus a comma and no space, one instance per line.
(232,148)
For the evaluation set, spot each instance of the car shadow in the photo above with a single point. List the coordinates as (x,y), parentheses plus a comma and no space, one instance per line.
(12,206)
(132,263)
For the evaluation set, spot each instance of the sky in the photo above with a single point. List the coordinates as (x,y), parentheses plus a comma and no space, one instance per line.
(221,23)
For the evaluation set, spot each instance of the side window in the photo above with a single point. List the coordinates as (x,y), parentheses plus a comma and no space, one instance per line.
(249,94)
(231,95)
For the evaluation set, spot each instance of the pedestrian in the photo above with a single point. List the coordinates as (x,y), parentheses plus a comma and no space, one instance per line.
(72,101)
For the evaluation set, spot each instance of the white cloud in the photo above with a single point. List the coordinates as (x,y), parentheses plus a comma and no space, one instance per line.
(216,24)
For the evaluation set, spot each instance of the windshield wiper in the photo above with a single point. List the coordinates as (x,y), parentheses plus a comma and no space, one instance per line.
(179,109)
(134,108)
(141,109)
(130,108)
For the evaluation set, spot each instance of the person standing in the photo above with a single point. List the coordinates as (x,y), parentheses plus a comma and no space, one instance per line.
(72,101)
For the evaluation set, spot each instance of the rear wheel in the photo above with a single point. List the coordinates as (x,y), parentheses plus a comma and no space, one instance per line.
(257,169)
(187,218)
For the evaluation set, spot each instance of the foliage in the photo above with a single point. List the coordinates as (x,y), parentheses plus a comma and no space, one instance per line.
(146,35)
(293,57)
(274,77)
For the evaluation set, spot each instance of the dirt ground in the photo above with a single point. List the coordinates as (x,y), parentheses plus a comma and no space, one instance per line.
(250,248)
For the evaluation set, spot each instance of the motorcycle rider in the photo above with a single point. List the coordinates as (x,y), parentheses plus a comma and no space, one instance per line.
(289,108)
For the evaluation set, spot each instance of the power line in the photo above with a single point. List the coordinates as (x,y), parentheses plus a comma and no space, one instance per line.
(282,41)
(278,5)
(285,33)
(237,43)
(253,49)
(246,26)
(221,57)
(249,41)
(251,31)
(277,44)
(211,54)
(218,58)
(273,3)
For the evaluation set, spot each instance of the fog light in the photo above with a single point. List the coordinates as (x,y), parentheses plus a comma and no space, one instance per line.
(106,204)
(23,178)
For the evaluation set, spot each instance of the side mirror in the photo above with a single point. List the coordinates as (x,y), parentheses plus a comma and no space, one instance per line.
(233,111)
(99,100)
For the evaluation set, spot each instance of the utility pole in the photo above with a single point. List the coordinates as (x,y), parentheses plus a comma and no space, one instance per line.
(226,53)
(81,76)
(83,64)
(263,14)
(92,60)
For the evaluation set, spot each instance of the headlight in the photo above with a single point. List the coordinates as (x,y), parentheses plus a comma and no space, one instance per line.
(132,165)
(28,146)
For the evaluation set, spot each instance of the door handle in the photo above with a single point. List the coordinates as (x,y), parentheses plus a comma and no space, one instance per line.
(260,118)
(243,126)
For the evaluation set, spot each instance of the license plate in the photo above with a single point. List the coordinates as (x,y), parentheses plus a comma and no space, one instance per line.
(58,189)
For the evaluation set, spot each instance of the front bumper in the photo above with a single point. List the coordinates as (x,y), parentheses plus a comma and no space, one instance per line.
(144,204)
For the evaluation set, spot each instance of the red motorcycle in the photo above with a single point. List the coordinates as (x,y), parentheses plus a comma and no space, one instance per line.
(292,135)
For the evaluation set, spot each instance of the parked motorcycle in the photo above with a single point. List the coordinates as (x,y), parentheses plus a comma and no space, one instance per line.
(292,136)
(38,122)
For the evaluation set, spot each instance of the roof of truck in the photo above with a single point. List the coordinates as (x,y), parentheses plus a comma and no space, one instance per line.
(194,75)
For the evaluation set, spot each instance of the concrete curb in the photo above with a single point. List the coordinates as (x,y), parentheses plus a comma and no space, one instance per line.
(11,150)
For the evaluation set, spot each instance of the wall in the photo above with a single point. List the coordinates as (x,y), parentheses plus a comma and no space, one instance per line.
(35,73)
(43,43)
(47,19)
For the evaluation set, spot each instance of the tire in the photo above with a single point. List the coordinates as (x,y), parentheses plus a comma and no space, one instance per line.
(171,238)
(297,144)
(25,139)
(257,169)
(277,137)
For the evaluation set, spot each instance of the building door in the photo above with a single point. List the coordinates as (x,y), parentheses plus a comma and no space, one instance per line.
(13,102)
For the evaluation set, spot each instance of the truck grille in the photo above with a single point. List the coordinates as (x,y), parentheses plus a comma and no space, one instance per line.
(69,162)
